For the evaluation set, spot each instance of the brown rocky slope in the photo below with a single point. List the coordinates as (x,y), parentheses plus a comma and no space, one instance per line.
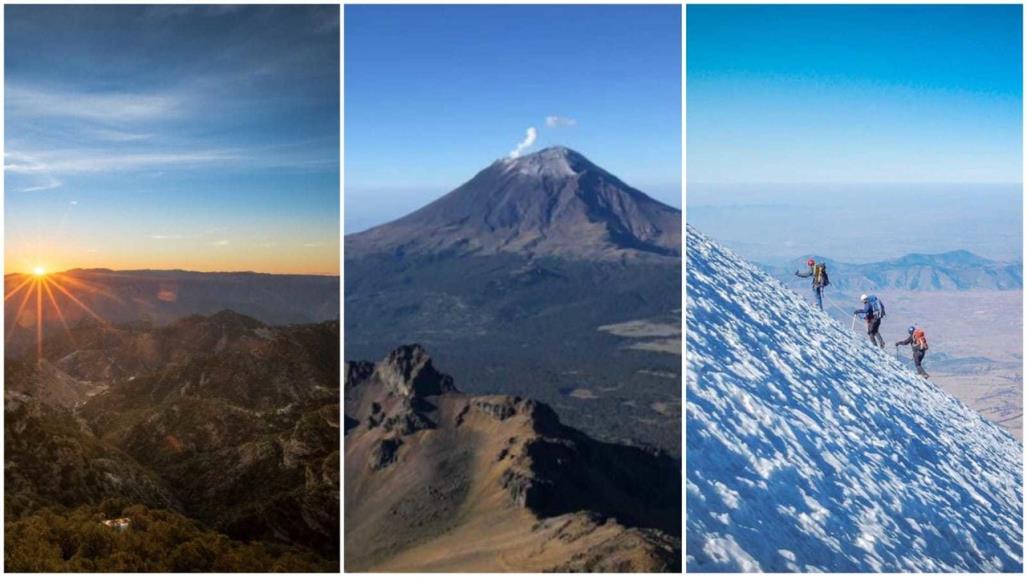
(437,480)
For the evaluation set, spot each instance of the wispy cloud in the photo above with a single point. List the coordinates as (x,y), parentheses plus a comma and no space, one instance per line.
(557,121)
(529,138)
(112,135)
(90,161)
(165,11)
(222,242)
(329,24)
(108,107)
(48,182)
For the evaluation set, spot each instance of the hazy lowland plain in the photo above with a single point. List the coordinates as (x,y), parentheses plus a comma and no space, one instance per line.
(970,308)
(976,347)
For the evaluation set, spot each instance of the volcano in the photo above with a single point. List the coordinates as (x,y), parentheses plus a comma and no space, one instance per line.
(554,202)
(522,280)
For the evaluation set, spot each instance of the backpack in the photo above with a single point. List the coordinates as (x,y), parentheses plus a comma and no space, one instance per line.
(820,275)
(920,339)
(877,306)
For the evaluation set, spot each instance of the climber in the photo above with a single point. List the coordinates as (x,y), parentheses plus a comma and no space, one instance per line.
(872,312)
(918,340)
(818,272)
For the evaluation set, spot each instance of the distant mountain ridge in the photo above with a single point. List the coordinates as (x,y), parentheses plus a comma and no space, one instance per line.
(953,270)
(161,297)
(554,202)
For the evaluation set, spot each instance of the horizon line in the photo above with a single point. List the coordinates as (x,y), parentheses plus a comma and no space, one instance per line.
(855,183)
(127,270)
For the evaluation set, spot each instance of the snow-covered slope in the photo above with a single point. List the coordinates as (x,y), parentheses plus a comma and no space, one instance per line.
(810,450)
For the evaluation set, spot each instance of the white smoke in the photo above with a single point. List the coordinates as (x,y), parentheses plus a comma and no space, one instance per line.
(529,139)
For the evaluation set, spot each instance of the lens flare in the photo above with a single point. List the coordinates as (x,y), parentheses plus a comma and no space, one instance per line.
(37,283)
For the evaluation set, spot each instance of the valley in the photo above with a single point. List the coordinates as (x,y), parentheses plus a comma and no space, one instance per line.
(219,421)
(533,335)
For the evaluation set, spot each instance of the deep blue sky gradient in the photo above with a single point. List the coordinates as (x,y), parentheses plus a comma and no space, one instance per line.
(854,94)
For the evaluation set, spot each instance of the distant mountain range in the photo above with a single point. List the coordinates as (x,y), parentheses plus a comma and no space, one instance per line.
(955,270)
(164,296)
(434,477)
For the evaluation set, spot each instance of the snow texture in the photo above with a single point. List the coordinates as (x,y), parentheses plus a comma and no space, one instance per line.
(809,450)
(551,162)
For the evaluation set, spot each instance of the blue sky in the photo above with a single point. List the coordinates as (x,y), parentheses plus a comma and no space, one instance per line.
(436,93)
(201,137)
(861,133)
(854,94)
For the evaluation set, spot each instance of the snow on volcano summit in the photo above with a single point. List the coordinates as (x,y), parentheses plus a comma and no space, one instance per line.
(550,203)
(809,450)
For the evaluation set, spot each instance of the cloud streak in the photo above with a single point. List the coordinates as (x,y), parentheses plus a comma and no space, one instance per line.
(49,182)
(86,161)
(558,121)
(105,107)
(213,107)
(529,138)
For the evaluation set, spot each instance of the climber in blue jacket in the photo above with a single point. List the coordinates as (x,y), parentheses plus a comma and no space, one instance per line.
(872,312)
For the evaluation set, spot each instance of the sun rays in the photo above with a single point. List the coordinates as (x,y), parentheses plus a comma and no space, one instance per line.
(31,290)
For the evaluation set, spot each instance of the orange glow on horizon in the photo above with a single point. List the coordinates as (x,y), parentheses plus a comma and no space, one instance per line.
(34,285)
(267,258)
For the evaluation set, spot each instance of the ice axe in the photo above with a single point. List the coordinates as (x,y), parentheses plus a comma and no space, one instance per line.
(853,327)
